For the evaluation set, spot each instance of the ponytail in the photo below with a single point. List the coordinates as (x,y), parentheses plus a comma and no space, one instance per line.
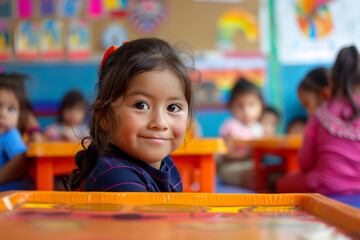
(345,75)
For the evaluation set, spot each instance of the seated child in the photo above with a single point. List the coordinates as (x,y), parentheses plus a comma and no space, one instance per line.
(71,126)
(246,106)
(13,163)
(329,158)
(143,107)
(269,120)
(314,89)
(296,126)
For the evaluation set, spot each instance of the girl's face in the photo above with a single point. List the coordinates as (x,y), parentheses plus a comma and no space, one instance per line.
(247,108)
(310,100)
(151,119)
(74,116)
(9,110)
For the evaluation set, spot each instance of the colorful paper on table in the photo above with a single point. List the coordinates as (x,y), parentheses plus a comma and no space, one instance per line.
(95,8)
(5,45)
(26,40)
(70,8)
(147,15)
(47,7)
(25,8)
(78,40)
(84,215)
(5,9)
(231,23)
(51,40)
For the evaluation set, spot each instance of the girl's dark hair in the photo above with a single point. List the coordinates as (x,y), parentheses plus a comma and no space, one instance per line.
(16,83)
(268,109)
(346,76)
(242,87)
(315,80)
(71,99)
(119,69)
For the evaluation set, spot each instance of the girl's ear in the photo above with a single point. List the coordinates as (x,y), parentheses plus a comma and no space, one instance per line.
(104,123)
(326,93)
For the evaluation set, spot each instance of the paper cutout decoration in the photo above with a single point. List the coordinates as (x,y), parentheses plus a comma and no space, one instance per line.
(147,15)
(116,7)
(78,40)
(114,35)
(47,7)
(69,8)
(95,8)
(5,9)
(26,40)
(5,45)
(51,40)
(314,18)
(25,8)
(231,23)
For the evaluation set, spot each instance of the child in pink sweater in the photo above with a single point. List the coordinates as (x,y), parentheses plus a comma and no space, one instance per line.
(330,156)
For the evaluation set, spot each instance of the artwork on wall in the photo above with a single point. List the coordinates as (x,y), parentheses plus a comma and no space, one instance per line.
(116,7)
(5,45)
(69,8)
(25,8)
(78,40)
(147,15)
(26,40)
(47,7)
(313,31)
(233,22)
(51,39)
(5,9)
(115,34)
(219,72)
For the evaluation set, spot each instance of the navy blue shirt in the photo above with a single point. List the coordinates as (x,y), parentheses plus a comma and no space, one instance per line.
(124,173)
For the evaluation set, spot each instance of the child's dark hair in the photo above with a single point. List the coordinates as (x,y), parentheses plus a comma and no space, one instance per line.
(242,87)
(268,109)
(121,66)
(16,83)
(295,120)
(71,99)
(315,80)
(346,76)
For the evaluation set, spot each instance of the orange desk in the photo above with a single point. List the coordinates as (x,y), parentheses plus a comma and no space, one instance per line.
(37,215)
(286,146)
(195,161)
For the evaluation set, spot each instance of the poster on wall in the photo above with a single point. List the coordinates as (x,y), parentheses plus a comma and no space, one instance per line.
(26,40)
(313,31)
(220,71)
(51,39)
(5,45)
(5,9)
(78,40)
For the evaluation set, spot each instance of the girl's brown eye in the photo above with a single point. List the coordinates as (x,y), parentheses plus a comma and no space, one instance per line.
(174,108)
(141,106)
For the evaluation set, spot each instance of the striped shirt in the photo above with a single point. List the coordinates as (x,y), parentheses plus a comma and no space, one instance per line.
(123,173)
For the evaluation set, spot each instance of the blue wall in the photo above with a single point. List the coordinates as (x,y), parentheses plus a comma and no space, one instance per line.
(50,81)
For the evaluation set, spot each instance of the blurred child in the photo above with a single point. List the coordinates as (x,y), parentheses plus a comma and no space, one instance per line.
(143,108)
(314,89)
(71,126)
(329,157)
(13,164)
(28,124)
(269,120)
(296,126)
(246,106)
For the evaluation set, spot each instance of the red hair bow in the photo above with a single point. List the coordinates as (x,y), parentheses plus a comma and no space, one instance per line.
(108,51)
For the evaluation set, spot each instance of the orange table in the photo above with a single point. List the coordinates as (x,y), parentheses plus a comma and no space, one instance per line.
(195,161)
(286,146)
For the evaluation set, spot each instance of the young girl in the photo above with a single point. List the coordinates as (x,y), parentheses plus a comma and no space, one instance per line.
(13,164)
(71,126)
(246,105)
(329,157)
(140,115)
(314,89)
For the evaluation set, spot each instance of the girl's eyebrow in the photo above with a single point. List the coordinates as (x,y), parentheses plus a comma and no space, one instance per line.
(147,94)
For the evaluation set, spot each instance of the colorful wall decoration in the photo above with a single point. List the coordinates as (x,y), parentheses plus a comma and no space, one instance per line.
(313,31)
(233,22)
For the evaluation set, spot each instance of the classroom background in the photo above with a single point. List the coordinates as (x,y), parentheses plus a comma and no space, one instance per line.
(273,43)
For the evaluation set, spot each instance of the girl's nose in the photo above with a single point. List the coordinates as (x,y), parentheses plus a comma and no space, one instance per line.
(158,121)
